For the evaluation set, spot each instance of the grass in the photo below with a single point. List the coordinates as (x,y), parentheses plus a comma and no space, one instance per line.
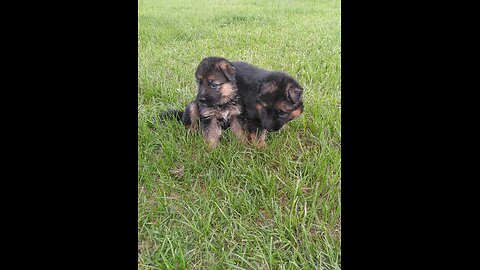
(238,207)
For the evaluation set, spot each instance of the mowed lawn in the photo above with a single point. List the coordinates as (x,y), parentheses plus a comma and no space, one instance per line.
(238,207)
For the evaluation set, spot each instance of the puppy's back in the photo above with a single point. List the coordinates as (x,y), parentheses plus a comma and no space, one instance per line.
(249,81)
(249,76)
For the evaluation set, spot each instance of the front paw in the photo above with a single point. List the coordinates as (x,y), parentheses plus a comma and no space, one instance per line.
(260,145)
(212,145)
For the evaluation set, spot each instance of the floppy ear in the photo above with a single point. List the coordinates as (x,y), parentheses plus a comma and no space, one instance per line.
(294,93)
(269,87)
(228,69)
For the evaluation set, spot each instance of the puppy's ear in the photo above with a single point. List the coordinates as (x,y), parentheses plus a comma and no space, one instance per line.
(228,69)
(294,93)
(268,87)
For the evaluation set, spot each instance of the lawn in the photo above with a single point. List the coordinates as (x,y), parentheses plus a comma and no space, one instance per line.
(238,207)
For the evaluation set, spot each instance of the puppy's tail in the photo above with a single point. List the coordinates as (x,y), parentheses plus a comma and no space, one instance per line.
(171,114)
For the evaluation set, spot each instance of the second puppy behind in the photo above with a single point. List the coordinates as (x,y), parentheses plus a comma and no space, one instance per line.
(270,100)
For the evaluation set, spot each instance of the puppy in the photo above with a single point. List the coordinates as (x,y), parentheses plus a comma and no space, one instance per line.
(270,100)
(217,104)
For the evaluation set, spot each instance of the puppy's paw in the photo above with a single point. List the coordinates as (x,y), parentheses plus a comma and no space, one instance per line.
(260,145)
(211,145)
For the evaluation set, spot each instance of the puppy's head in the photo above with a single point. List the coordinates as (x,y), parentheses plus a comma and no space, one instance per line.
(279,101)
(216,82)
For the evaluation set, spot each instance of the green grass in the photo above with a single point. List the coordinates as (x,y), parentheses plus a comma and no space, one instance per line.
(238,207)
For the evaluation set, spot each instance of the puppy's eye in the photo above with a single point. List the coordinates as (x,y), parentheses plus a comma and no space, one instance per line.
(199,80)
(214,85)
(282,114)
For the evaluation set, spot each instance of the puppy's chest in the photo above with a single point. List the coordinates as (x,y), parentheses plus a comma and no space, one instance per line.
(224,114)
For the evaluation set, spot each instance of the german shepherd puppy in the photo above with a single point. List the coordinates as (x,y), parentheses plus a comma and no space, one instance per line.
(217,104)
(270,99)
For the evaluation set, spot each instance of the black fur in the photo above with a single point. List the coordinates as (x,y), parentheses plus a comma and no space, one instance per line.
(267,89)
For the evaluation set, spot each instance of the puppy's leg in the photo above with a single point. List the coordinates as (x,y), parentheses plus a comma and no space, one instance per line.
(211,132)
(191,116)
(252,126)
(252,136)
(256,133)
(238,131)
(261,138)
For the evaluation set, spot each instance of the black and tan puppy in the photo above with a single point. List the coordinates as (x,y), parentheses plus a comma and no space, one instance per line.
(216,106)
(270,100)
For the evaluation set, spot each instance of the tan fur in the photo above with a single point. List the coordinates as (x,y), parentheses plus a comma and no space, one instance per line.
(227,91)
(209,112)
(212,134)
(261,139)
(223,65)
(230,114)
(237,130)
(214,113)
(296,113)
(235,110)
(258,140)
(226,67)
(252,136)
(194,116)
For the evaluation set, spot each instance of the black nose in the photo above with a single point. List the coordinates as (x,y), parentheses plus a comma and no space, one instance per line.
(202,98)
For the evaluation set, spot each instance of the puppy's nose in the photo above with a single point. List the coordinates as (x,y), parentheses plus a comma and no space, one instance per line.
(202,98)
